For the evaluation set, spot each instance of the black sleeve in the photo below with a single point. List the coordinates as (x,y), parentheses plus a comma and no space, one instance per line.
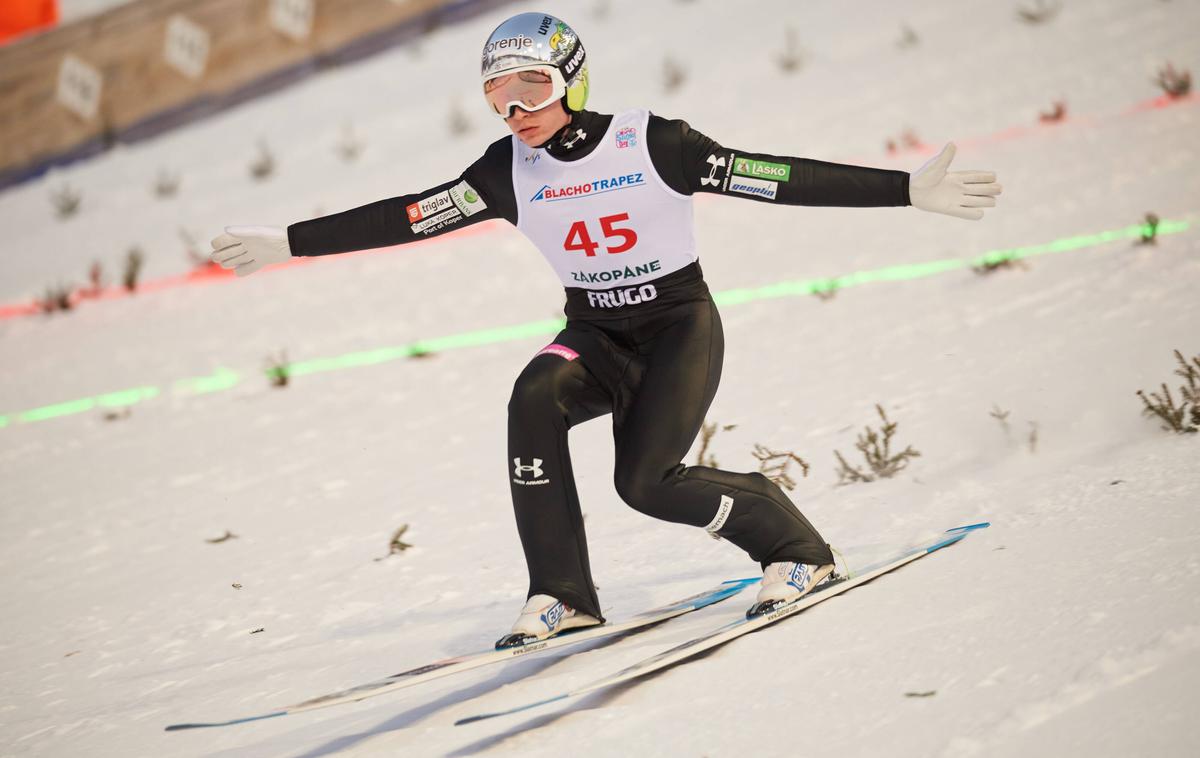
(484,191)
(690,162)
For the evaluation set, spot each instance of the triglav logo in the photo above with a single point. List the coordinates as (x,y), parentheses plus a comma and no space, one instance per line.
(718,164)
(535,471)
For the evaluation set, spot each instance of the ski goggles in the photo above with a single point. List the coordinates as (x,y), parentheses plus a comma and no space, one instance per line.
(529,89)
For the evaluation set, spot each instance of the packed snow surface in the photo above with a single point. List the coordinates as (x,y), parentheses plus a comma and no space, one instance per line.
(1070,627)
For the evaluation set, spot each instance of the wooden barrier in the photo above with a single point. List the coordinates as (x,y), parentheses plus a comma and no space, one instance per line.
(143,67)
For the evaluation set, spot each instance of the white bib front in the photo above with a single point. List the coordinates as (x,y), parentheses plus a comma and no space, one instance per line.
(606,219)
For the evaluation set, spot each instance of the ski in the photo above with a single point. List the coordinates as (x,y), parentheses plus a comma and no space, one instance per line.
(745,625)
(456,664)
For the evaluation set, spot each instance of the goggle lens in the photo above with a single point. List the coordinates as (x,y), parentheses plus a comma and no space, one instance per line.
(531,90)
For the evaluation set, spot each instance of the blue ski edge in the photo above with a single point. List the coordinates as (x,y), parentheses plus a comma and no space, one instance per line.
(180,727)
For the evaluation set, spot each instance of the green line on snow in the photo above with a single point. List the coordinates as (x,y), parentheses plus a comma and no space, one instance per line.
(71,407)
(223,378)
(219,380)
(435,345)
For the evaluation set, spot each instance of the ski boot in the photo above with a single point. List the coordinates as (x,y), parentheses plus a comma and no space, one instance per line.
(543,616)
(787,582)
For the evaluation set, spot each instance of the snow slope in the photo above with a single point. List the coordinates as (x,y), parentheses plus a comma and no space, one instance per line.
(1071,627)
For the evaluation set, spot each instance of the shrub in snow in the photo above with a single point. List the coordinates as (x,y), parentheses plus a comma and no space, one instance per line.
(908,38)
(55,298)
(1185,417)
(66,201)
(774,465)
(1001,416)
(876,449)
(1149,230)
(790,60)
(673,75)
(166,184)
(908,141)
(458,124)
(1039,11)
(262,167)
(133,267)
(397,545)
(1057,113)
(992,263)
(707,432)
(279,370)
(1174,83)
(350,146)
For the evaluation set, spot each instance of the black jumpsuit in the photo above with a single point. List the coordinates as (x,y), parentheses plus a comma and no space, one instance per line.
(653,364)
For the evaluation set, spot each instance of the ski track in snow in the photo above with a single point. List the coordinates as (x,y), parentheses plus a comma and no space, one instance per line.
(1070,627)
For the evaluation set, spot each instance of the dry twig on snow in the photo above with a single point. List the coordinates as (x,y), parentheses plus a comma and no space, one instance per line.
(1185,417)
(707,432)
(66,201)
(134,258)
(876,448)
(279,370)
(774,465)
(1039,12)
(1149,230)
(1174,83)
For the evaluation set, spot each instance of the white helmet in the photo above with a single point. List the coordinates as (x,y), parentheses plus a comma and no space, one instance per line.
(535,42)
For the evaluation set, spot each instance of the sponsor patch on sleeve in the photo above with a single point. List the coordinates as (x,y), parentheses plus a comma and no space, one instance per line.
(426,207)
(744,166)
(748,186)
(431,224)
(466,199)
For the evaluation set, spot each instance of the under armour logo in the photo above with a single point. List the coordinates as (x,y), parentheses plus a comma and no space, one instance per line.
(535,469)
(579,134)
(711,179)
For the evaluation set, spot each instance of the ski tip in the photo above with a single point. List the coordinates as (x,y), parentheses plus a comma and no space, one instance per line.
(970,527)
(740,583)
(182,727)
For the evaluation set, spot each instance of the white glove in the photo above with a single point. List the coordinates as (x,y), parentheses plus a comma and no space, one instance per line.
(246,249)
(958,193)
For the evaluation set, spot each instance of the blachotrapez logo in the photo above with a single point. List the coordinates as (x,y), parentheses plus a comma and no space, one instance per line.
(552,193)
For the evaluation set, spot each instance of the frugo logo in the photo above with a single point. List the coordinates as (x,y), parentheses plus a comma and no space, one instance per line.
(617,298)
(762,169)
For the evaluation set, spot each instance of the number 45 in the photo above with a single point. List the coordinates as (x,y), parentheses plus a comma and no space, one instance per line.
(578,237)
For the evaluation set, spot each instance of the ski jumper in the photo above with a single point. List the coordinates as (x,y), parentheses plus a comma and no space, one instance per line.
(609,205)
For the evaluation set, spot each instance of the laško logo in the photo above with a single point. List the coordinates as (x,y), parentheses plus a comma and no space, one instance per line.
(594,187)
